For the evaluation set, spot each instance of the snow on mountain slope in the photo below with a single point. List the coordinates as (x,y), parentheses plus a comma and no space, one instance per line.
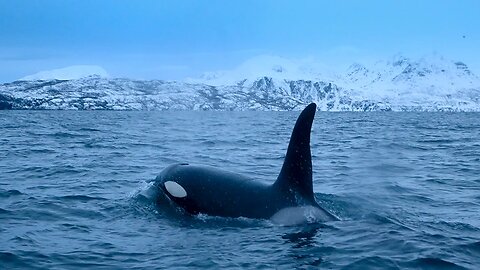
(67,73)
(268,83)
(434,71)
(415,82)
(275,67)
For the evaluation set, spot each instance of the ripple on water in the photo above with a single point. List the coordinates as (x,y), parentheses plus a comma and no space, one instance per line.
(405,187)
(82,198)
(373,262)
(11,261)
(4,212)
(472,247)
(10,193)
(432,263)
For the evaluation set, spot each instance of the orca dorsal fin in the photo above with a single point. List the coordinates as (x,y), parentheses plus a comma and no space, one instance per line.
(296,173)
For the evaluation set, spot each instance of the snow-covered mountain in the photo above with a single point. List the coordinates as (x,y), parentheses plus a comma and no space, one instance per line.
(124,94)
(427,83)
(67,73)
(268,83)
(275,67)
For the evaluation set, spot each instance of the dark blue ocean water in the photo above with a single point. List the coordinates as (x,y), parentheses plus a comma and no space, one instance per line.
(74,191)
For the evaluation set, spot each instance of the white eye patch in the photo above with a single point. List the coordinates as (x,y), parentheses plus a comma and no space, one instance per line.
(175,189)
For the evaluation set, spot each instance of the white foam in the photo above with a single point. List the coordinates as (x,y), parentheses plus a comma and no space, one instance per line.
(143,189)
(299,215)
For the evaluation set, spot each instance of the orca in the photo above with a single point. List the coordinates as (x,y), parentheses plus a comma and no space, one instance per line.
(215,192)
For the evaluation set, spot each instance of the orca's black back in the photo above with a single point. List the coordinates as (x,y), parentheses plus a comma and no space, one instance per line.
(221,193)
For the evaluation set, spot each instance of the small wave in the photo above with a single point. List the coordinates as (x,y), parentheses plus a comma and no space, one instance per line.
(8,257)
(473,247)
(10,193)
(307,233)
(208,143)
(4,212)
(37,214)
(341,207)
(434,263)
(454,226)
(42,151)
(384,167)
(48,170)
(76,227)
(381,220)
(61,134)
(146,191)
(223,223)
(22,260)
(24,240)
(88,129)
(437,141)
(373,262)
(83,198)
(396,188)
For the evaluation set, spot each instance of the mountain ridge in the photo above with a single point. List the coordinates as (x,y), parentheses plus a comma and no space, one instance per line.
(67,73)
(399,84)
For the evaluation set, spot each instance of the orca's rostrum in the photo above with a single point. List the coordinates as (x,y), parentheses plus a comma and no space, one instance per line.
(289,200)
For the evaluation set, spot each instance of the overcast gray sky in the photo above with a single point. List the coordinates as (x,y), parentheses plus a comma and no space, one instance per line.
(175,39)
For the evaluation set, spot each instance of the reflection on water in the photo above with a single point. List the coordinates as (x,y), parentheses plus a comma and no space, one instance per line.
(303,245)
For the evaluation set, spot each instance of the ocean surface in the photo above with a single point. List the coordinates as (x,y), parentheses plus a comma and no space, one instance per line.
(75,191)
